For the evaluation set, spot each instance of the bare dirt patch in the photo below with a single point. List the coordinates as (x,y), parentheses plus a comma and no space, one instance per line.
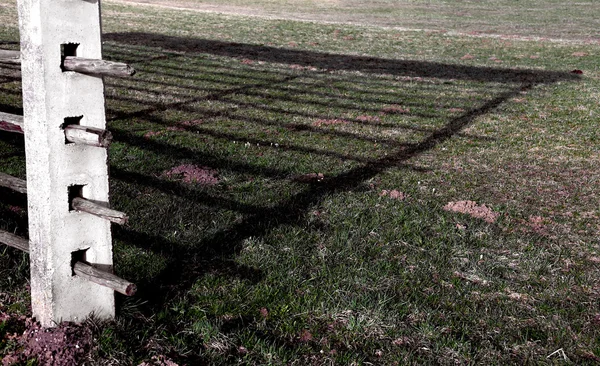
(65,345)
(201,7)
(329,122)
(538,225)
(393,194)
(395,109)
(189,173)
(472,209)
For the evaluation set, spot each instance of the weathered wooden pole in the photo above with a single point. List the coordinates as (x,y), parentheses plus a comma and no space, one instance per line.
(84,270)
(14,241)
(11,122)
(79,64)
(13,183)
(58,171)
(97,67)
(10,57)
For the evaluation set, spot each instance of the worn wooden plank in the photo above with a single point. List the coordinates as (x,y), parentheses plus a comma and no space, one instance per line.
(104,278)
(81,269)
(83,205)
(14,241)
(13,183)
(11,122)
(10,57)
(88,135)
(97,67)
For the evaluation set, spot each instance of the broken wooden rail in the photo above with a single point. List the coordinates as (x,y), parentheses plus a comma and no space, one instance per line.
(104,278)
(81,269)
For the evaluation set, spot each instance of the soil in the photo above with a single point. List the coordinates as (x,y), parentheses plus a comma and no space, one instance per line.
(65,345)
(193,174)
(472,209)
(394,194)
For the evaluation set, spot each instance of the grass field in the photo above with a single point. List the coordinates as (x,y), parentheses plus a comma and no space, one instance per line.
(293,187)
(535,18)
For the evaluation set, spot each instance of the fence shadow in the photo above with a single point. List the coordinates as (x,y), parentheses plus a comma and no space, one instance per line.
(164,91)
(217,251)
(338,62)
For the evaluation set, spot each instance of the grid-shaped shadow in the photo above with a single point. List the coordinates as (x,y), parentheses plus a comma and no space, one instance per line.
(262,117)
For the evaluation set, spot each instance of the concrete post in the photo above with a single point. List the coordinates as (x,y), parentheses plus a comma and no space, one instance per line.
(58,171)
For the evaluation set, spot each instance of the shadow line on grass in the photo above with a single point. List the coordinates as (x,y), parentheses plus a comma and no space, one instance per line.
(331,61)
(219,249)
(217,252)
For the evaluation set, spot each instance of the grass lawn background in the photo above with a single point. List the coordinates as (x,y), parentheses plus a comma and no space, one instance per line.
(534,18)
(289,185)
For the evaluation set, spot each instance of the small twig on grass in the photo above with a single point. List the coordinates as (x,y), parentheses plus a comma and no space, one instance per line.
(561,352)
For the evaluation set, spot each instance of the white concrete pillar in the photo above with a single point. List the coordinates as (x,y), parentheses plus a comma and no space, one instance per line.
(56,170)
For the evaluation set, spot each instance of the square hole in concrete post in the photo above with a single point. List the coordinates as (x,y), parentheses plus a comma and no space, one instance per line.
(69,121)
(74,192)
(78,256)
(66,50)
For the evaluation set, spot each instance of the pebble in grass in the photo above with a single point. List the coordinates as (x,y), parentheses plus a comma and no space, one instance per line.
(189,173)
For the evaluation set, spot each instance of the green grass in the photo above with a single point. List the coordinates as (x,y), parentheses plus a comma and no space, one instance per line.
(268,268)
(534,18)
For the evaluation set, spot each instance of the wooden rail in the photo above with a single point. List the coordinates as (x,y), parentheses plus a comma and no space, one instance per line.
(105,279)
(97,67)
(73,133)
(88,135)
(14,241)
(78,64)
(78,203)
(10,57)
(83,205)
(11,122)
(14,183)
(81,269)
